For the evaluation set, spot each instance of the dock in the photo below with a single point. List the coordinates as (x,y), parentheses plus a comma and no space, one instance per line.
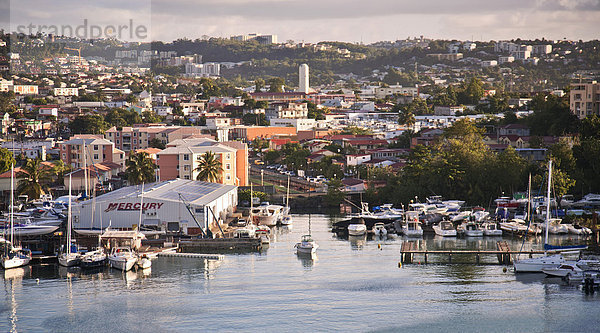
(192,255)
(220,245)
(409,250)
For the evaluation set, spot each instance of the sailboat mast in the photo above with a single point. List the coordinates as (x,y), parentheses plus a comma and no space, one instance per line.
(85,175)
(529,217)
(12,202)
(141,205)
(69,218)
(287,200)
(548,200)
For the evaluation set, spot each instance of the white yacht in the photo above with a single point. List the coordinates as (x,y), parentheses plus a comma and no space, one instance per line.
(306,245)
(445,228)
(577,229)
(555,227)
(472,230)
(357,229)
(491,229)
(267,214)
(379,230)
(122,258)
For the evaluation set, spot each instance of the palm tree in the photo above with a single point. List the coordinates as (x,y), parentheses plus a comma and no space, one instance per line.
(36,178)
(140,169)
(209,168)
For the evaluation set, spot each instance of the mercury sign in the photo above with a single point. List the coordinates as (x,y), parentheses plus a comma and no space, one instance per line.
(128,206)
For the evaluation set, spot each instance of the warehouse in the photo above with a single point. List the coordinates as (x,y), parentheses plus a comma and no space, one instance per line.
(164,206)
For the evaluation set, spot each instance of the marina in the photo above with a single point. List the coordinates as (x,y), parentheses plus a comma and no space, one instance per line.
(180,293)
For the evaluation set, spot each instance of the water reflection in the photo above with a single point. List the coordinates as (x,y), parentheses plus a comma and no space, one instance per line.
(357,242)
(308,260)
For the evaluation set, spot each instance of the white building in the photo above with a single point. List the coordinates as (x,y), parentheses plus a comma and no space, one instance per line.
(66,91)
(287,110)
(303,78)
(505,59)
(357,159)
(489,63)
(542,49)
(521,55)
(208,69)
(382,92)
(163,206)
(299,124)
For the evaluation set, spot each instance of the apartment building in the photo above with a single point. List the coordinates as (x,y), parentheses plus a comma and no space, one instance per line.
(584,99)
(287,110)
(138,137)
(96,150)
(181,159)
(382,92)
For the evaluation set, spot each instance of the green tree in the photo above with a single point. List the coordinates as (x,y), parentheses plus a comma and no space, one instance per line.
(6,159)
(88,124)
(272,156)
(209,168)
(276,84)
(259,84)
(35,178)
(140,169)
(335,194)
(156,143)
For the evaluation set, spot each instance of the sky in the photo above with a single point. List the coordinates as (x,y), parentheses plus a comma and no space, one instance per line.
(319,20)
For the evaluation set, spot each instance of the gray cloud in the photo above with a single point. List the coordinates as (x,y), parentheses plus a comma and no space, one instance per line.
(315,20)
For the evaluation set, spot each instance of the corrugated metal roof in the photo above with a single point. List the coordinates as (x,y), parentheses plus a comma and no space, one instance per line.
(193,191)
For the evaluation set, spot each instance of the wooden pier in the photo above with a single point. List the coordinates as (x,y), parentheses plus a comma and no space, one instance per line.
(409,249)
(220,245)
(192,255)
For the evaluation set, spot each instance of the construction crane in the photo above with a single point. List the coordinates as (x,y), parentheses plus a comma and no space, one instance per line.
(78,52)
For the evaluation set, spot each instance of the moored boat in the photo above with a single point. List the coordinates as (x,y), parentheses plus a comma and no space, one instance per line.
(307,245)
(445,228)
(122,258)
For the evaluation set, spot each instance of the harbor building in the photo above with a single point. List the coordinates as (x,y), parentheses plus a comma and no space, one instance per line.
(166,206)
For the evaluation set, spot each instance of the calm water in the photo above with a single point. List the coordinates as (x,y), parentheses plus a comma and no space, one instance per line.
(351,285)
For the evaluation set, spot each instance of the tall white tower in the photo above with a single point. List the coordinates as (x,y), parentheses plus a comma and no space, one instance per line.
(303,85)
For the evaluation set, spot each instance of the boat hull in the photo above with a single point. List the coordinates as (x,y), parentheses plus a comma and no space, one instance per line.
(69,260)
(122,263)
(15,262)
(537,265)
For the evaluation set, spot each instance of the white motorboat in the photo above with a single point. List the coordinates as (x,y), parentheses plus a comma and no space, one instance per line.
(379,230)
(249,231)
(31,230)
(267,214)
(555,227)
(515,226)
(577,229)
(122,258)
(491,229)
(564,269)
(411,226)
(357,229)
(472,230)
(69,259)
(307,245)
(143,262)
(445,228)
(93,259)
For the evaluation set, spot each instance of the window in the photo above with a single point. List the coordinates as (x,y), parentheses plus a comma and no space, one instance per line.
(117,133)
(228,177)
(186,168)
(109,134)
(64,147)
(186,177)
(64,155)
(135,141)
(95,156)
(227,166)
(95,147)
(103,156)
(228,156)
(186,157)
(118,141)
(134,134)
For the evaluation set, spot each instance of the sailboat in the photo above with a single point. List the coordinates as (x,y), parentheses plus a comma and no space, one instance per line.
(547,261)
(307,245)
(13,256)
(287,219)
(68,258)
(97,258)
(143,261)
